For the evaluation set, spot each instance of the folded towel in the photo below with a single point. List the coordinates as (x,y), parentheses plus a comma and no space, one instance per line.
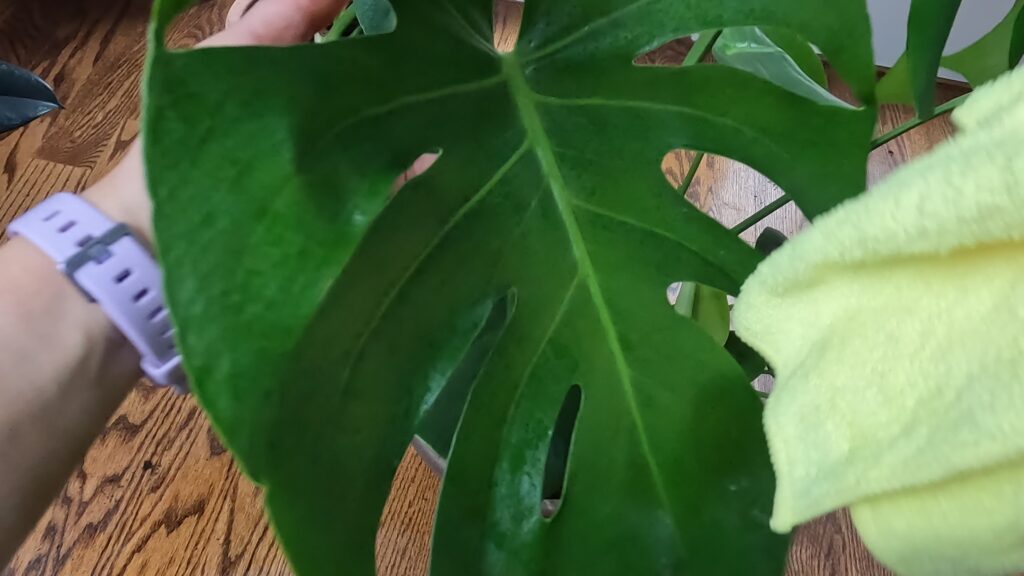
(895,327)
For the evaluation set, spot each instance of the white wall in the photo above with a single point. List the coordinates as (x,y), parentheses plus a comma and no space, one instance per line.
(889,24)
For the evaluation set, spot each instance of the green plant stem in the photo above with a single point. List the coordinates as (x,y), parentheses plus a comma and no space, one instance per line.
(761,214)
(910,125)
(341,23)
(701,47)
(691,172)
(875,144)
(705,42)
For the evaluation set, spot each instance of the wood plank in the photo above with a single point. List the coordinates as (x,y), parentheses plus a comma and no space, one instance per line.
(157,494)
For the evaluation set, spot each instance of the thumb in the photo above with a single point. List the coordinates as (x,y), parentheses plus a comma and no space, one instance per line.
(277,22)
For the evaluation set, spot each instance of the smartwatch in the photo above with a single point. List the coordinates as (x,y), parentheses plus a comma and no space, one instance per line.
(112,269)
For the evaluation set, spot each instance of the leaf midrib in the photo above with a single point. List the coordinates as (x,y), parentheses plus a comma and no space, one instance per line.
(537,138)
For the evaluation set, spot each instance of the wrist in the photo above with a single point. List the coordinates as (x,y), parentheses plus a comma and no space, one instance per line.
(98,254)
(121,195)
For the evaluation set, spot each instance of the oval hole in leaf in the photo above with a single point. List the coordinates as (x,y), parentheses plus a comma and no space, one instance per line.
(708,307)
(671,53)
(557,463)
(506,20)
(404,496)
(418,167)
(471,342)
(676,165)
(699,177)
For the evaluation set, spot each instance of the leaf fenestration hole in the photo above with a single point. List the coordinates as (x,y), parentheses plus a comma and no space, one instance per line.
(417,168)
(672,292)
(405,496)
(676,166)
(506,21)
(671,53)
(557,465)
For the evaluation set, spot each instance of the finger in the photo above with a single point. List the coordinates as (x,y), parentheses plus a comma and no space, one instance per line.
(419,166)
(278,23)
(237,10)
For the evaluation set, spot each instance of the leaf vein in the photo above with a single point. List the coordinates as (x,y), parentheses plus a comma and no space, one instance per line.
(581,31)
(409,101)
(646,228)
(660,107)
(538,139)
(456,218)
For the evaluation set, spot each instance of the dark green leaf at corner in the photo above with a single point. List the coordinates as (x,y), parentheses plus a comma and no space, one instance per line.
(375,16)
(985,59)
(323,317)
(752,363)
(990,55)
(927,30)
(1017,40)
(23,97)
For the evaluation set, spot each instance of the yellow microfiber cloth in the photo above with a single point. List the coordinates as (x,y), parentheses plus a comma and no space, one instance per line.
(895,327)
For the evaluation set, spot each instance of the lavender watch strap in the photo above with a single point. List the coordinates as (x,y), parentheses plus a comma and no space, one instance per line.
(112,268)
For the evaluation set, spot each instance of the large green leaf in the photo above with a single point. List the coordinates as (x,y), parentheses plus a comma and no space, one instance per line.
(749,48)
(1017,40)
(707,307)
(321,316)
(23,97)
(895,87)
(990,55)
(927,30)
(802,53)
(375,16)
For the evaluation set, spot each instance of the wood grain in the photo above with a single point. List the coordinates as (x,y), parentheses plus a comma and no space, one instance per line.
(157,494)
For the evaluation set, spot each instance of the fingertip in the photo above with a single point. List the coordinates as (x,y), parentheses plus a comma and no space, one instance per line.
(275,22)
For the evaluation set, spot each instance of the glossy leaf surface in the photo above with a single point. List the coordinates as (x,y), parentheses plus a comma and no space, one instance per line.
(322,316)
(750,48)
(805,56)
(23,97)
(375,16)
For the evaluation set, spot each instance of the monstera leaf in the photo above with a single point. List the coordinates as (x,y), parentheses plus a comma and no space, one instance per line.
(1017,40)
(321,314)
(911,80)
(927,30)
(750,48)
(991,55)
(375,16)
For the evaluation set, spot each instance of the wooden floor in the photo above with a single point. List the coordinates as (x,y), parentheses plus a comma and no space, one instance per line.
(157,494)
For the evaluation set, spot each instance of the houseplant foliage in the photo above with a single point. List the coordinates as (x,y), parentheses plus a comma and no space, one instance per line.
(23,97)
(322,316)
(912,77)
(361,17)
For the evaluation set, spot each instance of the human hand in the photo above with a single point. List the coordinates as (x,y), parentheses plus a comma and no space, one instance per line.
(122,193)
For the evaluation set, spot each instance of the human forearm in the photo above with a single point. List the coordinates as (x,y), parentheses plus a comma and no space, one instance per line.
(64,367)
